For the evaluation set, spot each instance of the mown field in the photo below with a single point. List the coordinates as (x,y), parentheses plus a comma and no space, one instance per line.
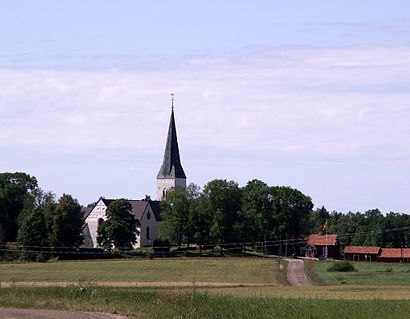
(140,303)
(227,269)
(277,301)
(393,274)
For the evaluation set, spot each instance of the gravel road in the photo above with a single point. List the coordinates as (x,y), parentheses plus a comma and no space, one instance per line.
(296,273)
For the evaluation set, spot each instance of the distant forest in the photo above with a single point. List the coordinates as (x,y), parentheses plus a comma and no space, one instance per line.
(223,212)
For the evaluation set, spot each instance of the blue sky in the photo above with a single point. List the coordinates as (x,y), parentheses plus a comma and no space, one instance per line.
(309,94)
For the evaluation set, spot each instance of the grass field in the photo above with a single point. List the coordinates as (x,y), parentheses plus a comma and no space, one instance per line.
(366,274)
(341,301)
(227,269)
(140,303)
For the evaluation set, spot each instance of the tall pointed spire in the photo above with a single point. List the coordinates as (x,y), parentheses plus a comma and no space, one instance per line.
(171,166)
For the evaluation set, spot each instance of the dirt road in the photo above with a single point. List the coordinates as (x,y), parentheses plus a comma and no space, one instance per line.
(296,273)
(6,313)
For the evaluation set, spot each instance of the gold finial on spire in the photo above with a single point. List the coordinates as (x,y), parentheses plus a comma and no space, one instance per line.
(172,100)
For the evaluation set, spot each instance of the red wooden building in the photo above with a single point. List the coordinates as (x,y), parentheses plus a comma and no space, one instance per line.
(317,244)
(362,253)
(394,255)
(377,254)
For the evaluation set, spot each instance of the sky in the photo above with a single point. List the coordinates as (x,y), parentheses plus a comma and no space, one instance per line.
(314,95)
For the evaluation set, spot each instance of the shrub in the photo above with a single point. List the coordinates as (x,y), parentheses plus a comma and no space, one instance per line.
(345,266)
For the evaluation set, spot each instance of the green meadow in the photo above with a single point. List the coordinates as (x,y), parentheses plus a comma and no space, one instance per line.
(142,303)
(366,273)
(226,269)
(85,290)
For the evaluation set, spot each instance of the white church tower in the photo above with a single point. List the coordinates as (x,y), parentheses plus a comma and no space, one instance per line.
(171,173)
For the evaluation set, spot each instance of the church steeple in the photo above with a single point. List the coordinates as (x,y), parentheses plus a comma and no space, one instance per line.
(171,173)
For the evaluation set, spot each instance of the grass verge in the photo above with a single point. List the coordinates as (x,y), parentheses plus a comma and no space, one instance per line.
(311,275)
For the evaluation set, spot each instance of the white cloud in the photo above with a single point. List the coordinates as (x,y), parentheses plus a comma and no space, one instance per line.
(320,105)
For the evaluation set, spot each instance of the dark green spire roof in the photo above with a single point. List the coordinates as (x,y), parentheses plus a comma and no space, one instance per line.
(171,166)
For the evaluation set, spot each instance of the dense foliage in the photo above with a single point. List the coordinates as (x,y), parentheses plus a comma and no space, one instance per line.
(225,213)
(51,225)
(16,191)
(371,228)
(120,229)
(34,219)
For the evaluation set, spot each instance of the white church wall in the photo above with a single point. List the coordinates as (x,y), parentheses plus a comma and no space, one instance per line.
(93,219)
(148,221)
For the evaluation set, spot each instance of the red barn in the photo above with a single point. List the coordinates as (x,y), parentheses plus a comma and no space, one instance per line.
(394,255)
(362,253)
(317,245)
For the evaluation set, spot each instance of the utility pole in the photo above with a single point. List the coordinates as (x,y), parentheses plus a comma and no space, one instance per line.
(280,251)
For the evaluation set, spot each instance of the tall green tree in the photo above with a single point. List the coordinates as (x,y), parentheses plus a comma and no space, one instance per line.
(64,222)
(291,211)
(15,188)
(222,202)
(33,232)
(32,235)
(36,198)
(255,219)
(120,230)
(175,211)
(183,221)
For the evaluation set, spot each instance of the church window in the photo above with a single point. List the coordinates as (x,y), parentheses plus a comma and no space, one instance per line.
(147,232)
(148,215)
(100,220)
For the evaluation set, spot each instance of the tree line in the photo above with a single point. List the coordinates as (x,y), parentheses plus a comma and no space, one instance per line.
(223,212)
(371,228)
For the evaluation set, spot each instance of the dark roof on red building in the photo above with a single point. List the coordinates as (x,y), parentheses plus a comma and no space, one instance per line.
(395,253)
(362,250)
(320,240)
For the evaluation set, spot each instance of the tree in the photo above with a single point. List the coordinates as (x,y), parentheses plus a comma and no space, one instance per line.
(32,234)
(63,221)
(256,216)
(33,230)
(14,191)
(120,228)
(175,210)
(37,198)
(222,202)
(318,218)
(291,211)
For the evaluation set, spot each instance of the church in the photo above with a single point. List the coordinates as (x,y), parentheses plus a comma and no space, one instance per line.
(147,211)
